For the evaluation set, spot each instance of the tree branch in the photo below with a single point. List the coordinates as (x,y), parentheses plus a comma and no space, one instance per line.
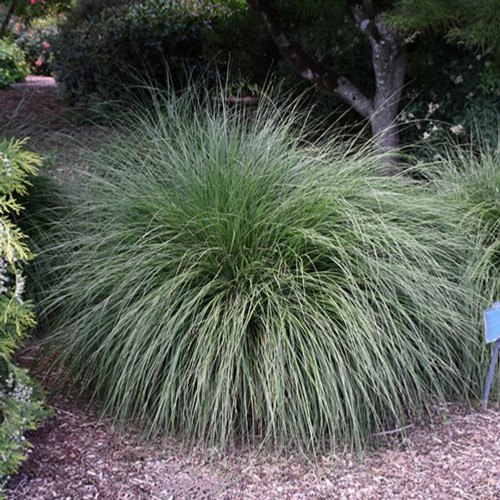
(366,23)
(308,68)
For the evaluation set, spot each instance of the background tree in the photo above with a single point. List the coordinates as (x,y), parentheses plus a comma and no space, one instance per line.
(388,26)
(29,9)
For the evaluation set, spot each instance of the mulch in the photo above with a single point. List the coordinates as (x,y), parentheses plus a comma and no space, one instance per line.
(79,456)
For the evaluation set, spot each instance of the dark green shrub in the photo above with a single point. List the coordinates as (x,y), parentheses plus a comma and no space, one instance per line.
(240,48)
(13,65)
(451,90)
(21,407)
(220,277)
(21,410)
(104,46)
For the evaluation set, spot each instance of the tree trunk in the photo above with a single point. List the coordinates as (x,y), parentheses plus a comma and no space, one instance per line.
(389,65)
(8,17)
(388,61)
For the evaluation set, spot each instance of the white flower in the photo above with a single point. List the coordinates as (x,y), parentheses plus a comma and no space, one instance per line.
(457,129)
(457,79)
(426,135)
(432,107)
(19,287)
(6,163)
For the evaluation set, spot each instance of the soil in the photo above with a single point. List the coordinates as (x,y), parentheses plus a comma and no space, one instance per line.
(77,456)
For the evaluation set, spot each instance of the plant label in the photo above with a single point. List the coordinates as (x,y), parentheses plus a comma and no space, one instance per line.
(492,323)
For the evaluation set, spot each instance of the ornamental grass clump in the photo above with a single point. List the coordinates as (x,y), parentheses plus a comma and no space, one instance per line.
(220,278)
(469,175)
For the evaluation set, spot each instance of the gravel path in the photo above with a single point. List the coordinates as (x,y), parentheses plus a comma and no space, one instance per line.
(455,455)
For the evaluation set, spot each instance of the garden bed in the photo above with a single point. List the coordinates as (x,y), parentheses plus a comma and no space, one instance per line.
(454,454)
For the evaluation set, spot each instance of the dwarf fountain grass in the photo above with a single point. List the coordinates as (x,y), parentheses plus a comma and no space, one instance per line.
(219,277)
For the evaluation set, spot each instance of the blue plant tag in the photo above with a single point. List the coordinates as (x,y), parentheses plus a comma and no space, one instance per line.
(492,323)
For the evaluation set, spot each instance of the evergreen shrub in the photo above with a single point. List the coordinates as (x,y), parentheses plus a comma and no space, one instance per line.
(105,46)
(21,405)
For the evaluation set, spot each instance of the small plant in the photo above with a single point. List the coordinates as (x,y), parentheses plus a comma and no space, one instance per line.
(220,277)
(22,409)
(21,406)
(13,65)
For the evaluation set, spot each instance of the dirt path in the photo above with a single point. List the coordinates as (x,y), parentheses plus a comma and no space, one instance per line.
(32,109)
(456,455)
(32,106)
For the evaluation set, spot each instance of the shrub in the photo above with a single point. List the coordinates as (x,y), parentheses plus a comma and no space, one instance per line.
(13,66)
(21,408)
(154,40)
(220,277)
(239,46)
(36,42)
(451,89)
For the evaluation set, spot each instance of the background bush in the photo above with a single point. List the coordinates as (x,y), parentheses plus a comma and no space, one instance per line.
(105,46)
(21,406)
(36,42)
(220,277)
(13,65)
(451,90)
(239,47)
(158,40)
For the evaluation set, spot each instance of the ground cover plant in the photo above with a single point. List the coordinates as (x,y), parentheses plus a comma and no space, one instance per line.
(219,277)
(21,405)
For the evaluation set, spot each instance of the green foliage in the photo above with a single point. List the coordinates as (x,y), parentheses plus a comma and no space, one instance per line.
(470,176)
(470,22)
(30,12)
(36,42)
(240,48)
(20,409)
(13,65)
(451,89)
(16,167)
(220,277)
(151,40)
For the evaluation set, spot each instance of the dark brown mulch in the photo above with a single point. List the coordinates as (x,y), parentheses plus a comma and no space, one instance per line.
(32,107)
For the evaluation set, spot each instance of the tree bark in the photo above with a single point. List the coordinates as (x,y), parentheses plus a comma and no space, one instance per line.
(388,61)
(8,17)
(389,65)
